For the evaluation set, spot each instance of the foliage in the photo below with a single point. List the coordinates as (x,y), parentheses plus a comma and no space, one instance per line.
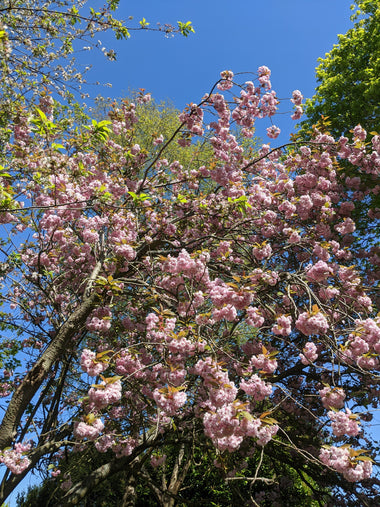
(203,484)
(221,309)
(349,77)
(38,39)
(348,94)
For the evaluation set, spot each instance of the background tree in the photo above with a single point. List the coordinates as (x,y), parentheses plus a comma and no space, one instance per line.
(348,93)
(201,483)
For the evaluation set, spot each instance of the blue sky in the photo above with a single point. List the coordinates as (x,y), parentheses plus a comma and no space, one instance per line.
(240,35)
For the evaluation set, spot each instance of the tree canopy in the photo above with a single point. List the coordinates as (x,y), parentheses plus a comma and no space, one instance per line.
(348,95)
(179,303)
(152,307)
(348,92)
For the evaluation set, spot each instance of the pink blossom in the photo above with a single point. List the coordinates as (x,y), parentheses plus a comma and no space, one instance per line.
(256,388)
(360,133)
(144,98)
(283,326)
(104,443)
(332,397)
(67,484)
(264,363)
(294,237)
(346,227)
(254,317)
(312,323)
(318,272)
(15,459)
(264,76)
(157,460)
(344,423)
(170,400)
(297,98)
(273,132)
(262,251)
(105,394)
(227,80)
(298,112)
(344,462)
(158,140)
(266,433)
(90,365)
(310,353)
(5,389)
(228,313)
(90,429)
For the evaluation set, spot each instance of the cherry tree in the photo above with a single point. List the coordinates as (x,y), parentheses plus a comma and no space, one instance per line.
(152,305)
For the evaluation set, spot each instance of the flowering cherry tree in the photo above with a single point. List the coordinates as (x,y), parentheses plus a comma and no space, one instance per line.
(227,305)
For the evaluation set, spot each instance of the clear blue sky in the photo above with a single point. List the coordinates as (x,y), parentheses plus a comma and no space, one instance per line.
(240,35)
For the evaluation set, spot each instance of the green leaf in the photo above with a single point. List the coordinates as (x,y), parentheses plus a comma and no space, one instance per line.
(42,115)
(144,23)
(185,28)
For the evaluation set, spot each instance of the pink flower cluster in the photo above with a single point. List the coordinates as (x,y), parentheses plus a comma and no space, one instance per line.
(226,83)
(125,447)
(254,317)
(264,76)
(229,425)
(90,365)
(273,132)
(346,227)
(100,320)
(90,430)
(157,460)
(262,251)
(332,397)
(128,364)
(5,389)
(193,119)
(170,399)
(15,459)
(297,98)
(363,345)
(318,272)
(344,423)
(360,133)
(310,353)
(104,443)
(158,140)
(221,294)
(344,462)
(263,362)
(283,326)
(256,388)
(144,98)
(188,266)
(220,389)
(104,394)
(312,323)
